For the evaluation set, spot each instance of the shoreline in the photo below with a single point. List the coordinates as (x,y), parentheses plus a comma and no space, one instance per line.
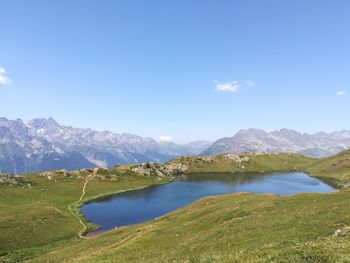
(90,228)
(75,207)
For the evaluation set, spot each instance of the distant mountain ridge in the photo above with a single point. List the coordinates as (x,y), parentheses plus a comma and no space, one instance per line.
(320,144)
(43,144)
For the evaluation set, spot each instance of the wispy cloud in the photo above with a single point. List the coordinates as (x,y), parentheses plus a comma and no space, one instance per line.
(232,86)
(250,83)
(341,93)
(4,79)
(165,138)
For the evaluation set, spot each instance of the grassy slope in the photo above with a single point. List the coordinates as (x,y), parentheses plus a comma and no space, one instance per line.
(335,169)
(232,228)
(259,163)
(33,217)
(238,227)
(246,227)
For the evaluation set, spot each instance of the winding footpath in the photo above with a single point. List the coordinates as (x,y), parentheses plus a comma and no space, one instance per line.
(83,231)
(88,178)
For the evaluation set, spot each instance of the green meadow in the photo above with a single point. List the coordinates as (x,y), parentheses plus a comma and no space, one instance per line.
(36,217)
(36,224)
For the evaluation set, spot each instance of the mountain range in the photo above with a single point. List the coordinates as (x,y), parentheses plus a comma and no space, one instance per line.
(320,144)
(43,144)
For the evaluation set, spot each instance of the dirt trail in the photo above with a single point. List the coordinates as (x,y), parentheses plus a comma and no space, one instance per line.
(87,179)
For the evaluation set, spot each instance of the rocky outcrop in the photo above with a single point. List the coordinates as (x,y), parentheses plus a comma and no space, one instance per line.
(236,157)
(145,169)
(175,168)
(7,179)
(183,165)
(344,232)
(161,170)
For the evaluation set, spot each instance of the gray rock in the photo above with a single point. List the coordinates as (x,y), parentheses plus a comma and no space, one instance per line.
(43,144)
(282,141)
(337,233)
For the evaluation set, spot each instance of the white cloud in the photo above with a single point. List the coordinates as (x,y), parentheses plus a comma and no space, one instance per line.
(165,138)
(232,86)
(250,83)
(341,93)
(4,79)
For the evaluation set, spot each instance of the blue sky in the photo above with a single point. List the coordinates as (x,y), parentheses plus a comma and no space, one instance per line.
(186,69)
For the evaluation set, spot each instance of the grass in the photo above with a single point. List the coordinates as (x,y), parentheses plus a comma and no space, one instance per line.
(335,169)
(255,163)
(37,226)
(33,217)
(239,227)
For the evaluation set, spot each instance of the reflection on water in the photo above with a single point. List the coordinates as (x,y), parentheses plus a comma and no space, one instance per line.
(231,179)
(142,205)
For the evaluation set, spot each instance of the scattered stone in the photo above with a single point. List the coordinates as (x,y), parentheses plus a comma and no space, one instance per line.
(209,158)
(245,159)
(13,180)
(172,167)
(155,169)
(233,157)
(48,175)
(236,157)
(337,233)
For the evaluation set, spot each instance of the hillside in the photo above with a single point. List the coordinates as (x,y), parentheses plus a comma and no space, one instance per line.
(235,228)
(43,208)
(244,162)
(238,227)
(334,169)
(232,228)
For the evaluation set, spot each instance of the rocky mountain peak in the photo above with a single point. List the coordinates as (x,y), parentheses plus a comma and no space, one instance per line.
(283,140)
(43,123)
(251,132)
(43,144)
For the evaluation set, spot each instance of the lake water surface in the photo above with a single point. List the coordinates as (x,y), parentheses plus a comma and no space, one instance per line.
(146,204)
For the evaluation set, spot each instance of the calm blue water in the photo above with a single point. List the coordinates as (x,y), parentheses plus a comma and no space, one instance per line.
(142,205)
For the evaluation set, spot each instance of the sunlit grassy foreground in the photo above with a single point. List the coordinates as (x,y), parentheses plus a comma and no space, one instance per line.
(233,228)
(36,224)
(33,219)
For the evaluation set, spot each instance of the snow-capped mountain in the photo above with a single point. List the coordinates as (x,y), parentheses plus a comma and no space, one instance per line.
(316,145)
(43,144)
